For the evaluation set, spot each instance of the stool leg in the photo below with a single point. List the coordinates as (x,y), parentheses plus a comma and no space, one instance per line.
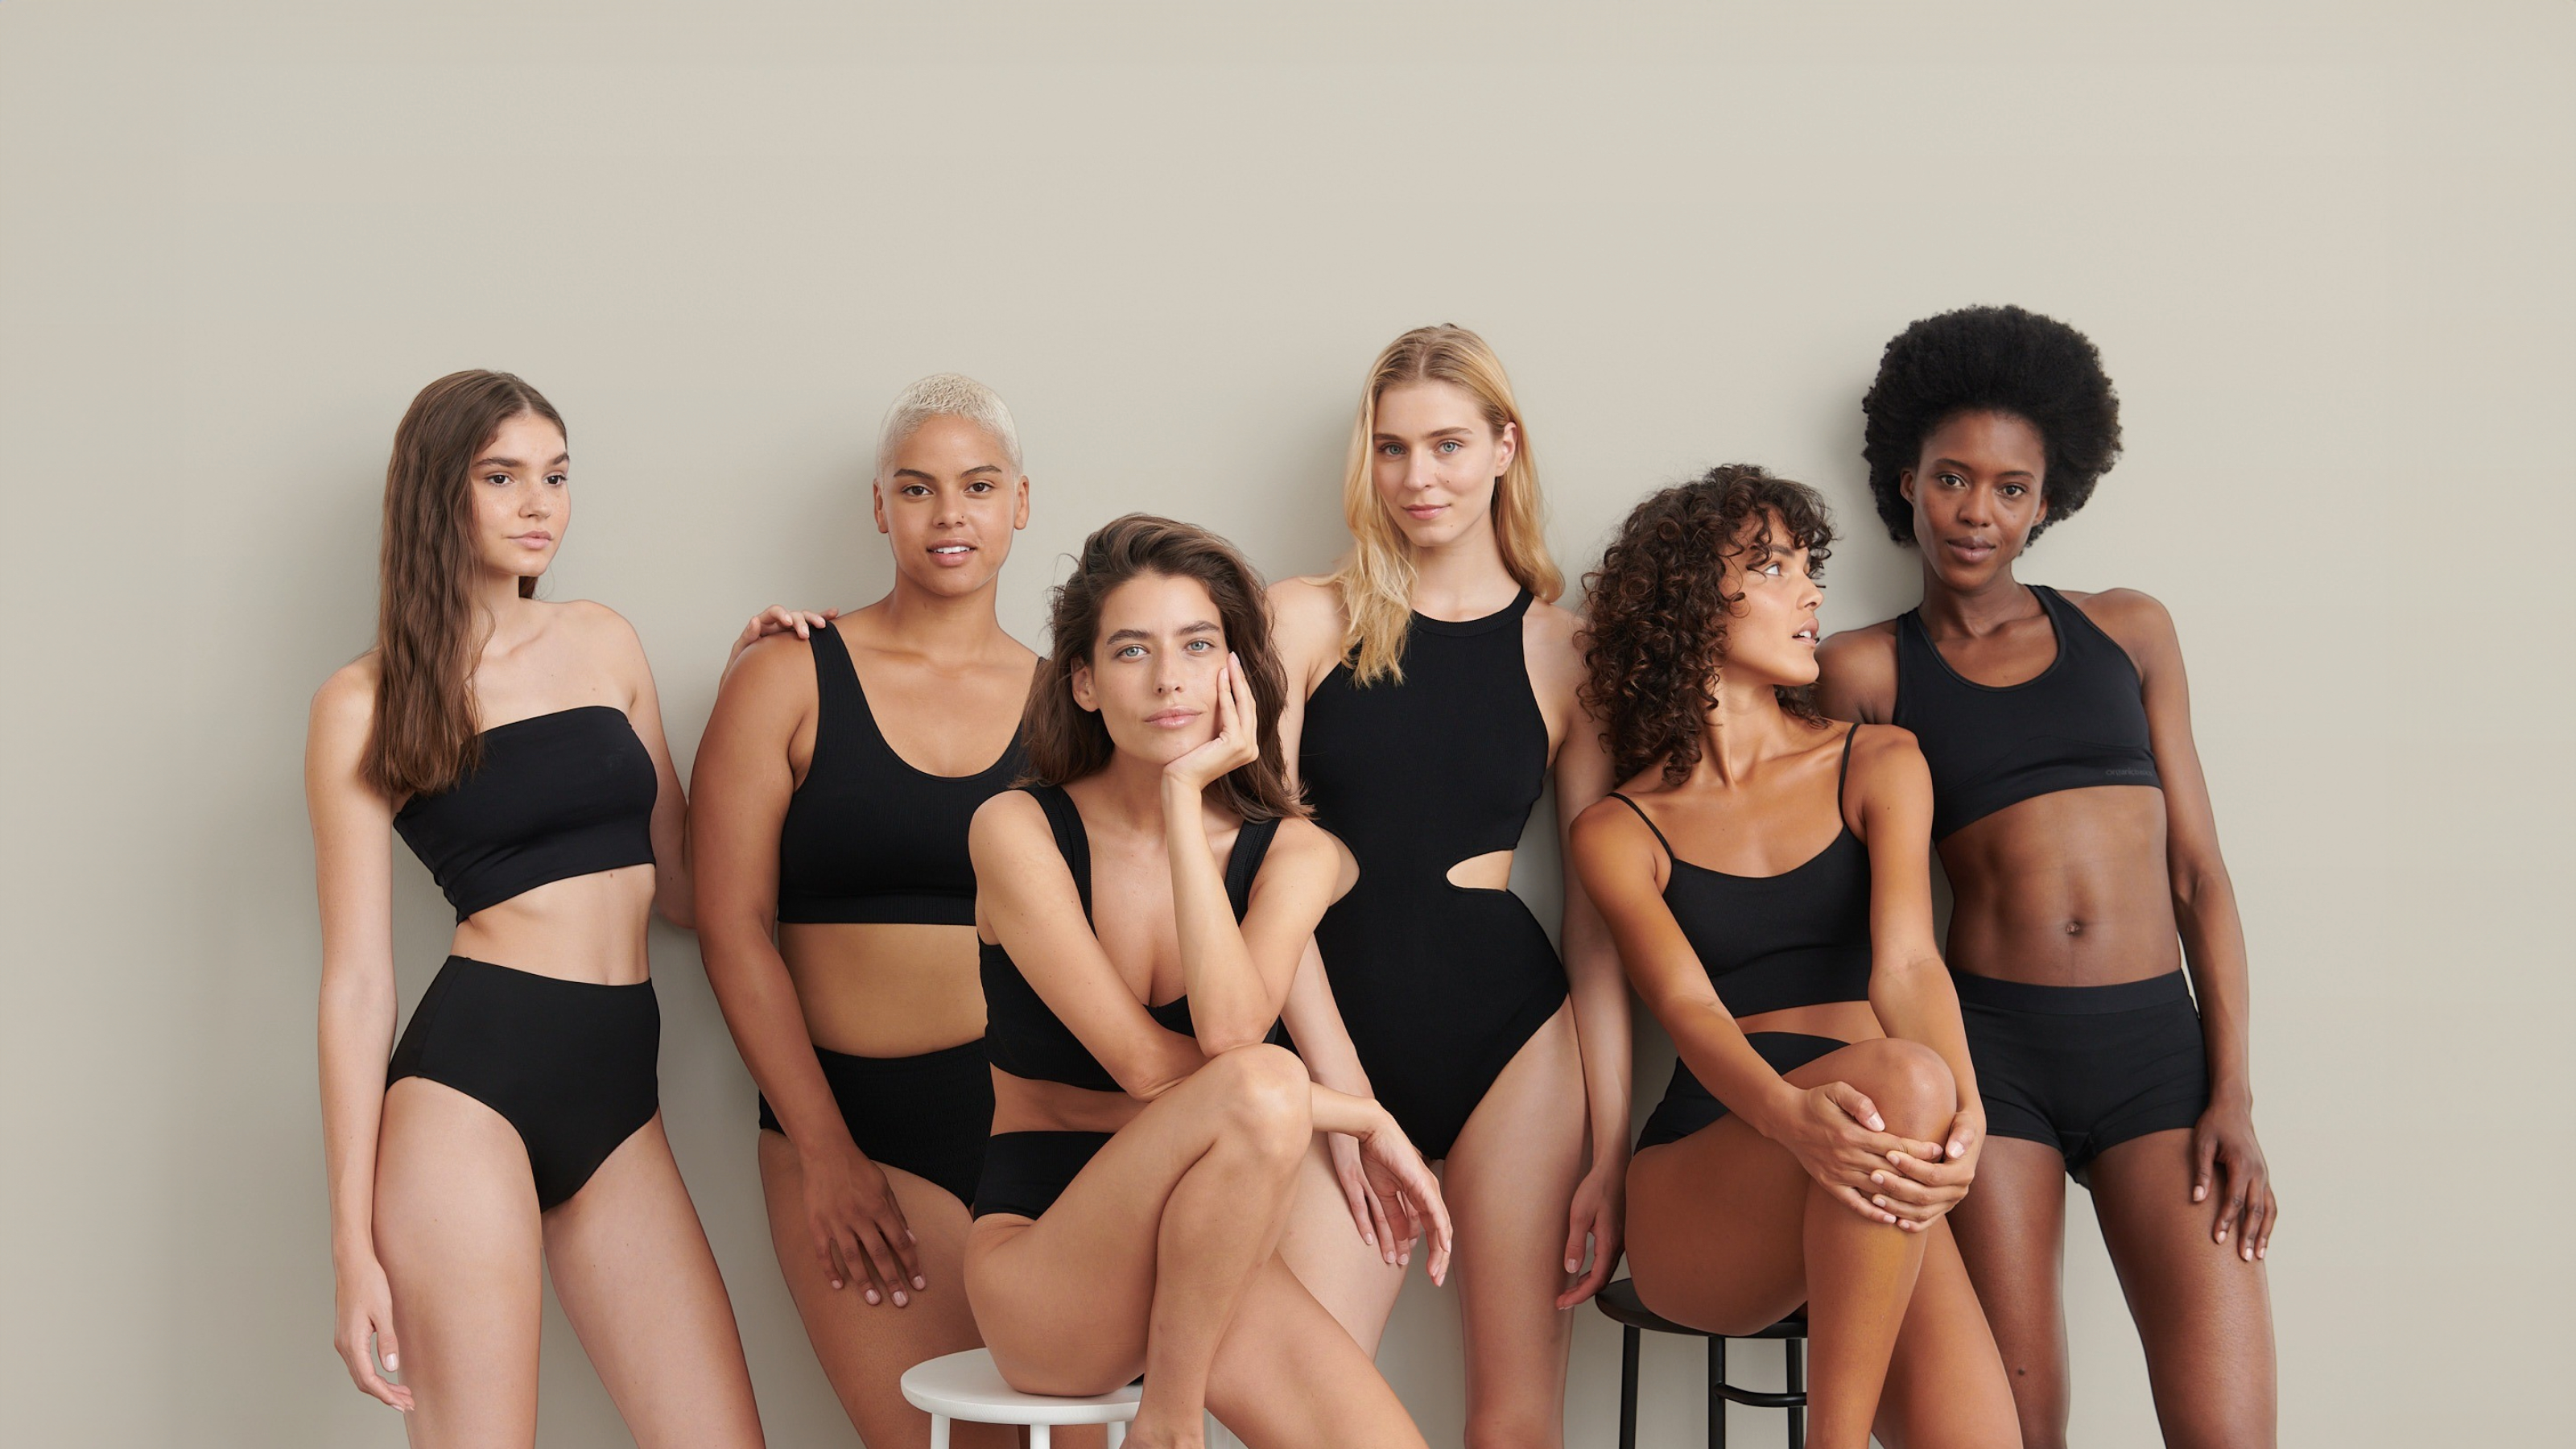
(939,1431)
(1117,1435)
(1797,1350)
(1628,1337)
(1716,1400)
(1040,1436)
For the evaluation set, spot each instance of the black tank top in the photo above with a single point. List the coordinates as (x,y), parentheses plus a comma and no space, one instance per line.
(2081,722)
(867,837)
(1771,942)
(555,796)
(1026,1039)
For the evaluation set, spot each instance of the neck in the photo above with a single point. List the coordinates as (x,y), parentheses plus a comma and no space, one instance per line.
(496,609)
(1128,792)
(1464,577)
(944,626)
(1979,611)
(1746,728)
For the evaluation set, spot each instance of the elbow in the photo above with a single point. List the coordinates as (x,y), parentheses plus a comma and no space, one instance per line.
(680,911)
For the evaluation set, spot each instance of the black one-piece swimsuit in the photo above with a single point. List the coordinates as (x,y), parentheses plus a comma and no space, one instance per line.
(1439,985)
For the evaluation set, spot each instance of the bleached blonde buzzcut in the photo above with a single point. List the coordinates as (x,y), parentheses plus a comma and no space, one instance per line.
(946,395)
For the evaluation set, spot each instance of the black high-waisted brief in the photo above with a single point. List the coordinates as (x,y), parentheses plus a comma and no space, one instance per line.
(929,1114)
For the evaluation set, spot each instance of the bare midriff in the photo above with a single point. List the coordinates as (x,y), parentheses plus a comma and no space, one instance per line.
(883,988)
(2064,889)
(588,928)
(1022,1105)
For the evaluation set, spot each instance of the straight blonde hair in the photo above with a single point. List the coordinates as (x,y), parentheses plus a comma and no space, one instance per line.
(1376,579)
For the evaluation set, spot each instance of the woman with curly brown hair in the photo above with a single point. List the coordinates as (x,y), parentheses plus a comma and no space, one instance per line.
(2075,827)
(1823,1118)
(1143,901)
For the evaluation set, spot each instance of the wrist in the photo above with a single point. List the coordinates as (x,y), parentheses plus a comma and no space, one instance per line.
(350,1256)
(1778,1106)
(2233,1093)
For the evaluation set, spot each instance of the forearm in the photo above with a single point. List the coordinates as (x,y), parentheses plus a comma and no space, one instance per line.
(1599,991)
(1341,1112)
(767,1021)
(2213,943)
(1915,1002)
(355,1037)
(1228,1003)
(1315,1022)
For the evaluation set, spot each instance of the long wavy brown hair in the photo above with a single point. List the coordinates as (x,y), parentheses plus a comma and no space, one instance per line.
(425,737)
(1065,742)
(1658,606)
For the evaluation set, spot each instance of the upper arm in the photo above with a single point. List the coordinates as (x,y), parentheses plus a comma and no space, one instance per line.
(352,827)
(618,642)
(1305,872)
(743,777)
(1306,625)
(1857,678)
(1026,899)
(1893,790)
(2145,630)
(1622,871)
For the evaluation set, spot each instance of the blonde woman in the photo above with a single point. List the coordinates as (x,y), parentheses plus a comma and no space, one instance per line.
(1433,691)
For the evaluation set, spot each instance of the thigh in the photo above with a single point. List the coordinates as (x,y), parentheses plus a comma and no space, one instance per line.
(1286,1374)
(864,1349)
(1717,1229)
(457,1231)
(2204,1314)
(633,1271)
(1323,1247)
(2011,1232)
(1945,1386)
(1509,1183)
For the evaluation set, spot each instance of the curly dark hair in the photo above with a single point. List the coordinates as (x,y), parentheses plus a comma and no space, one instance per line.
(1991,359)
(1659,607)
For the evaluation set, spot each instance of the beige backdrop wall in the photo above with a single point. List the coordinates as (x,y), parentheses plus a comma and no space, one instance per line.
(2323,250)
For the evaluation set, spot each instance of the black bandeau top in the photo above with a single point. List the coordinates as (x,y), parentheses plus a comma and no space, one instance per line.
(2081,722)
(867,837)
(1026,1039)
(1771,942)
(555,796)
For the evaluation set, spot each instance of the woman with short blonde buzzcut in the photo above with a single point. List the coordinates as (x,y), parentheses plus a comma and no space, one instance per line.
(1433,692)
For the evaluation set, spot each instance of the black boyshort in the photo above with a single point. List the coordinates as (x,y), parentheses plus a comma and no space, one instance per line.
(1688,1106)
(2085,1068)
(570,1064)
(1025,1172)
(929,1114)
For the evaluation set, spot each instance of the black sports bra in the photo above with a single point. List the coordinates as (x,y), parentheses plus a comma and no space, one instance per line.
(867,837)
(2080,722)
(1026,1039)
(556,796)
(1770,942)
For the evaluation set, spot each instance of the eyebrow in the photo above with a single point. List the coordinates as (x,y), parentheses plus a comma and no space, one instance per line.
(1139,636)
(995,468)
(560,459)
(2006,473)
(1461,432)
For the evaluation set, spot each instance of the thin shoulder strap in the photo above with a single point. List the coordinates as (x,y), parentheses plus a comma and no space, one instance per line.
(1243,863)
(1650,823)
(1843,778)
(835,678)
(1071,839)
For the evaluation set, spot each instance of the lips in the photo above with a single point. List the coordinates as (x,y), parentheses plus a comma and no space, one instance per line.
(1171,718)
(1426,511)
(1973,550)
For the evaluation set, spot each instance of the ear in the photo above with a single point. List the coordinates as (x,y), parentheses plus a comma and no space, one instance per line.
(1905,485)
(1507,447)
(876,503)
(1020,510)
(1082,691)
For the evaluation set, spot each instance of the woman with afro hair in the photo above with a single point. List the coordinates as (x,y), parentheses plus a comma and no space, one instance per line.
(2074,824)
(1823,1119)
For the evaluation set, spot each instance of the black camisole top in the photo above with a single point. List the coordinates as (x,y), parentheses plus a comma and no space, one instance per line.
(867,837)
(2081,722)
(1771,942)
(1025,1038)
(555,796)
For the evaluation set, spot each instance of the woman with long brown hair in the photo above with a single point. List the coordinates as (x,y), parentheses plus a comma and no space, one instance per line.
(1433,693)
(1143,902)
(516,746)
(836,905)
(1823,1118)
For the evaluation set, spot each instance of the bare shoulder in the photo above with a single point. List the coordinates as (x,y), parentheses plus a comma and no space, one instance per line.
(1301,841)
(1856,671)
(775,665)
(1306,613)
(1861,648)
(2136,620)
(345,705)
(1005,819)
(1553,625)
(597,625)
(1886,747)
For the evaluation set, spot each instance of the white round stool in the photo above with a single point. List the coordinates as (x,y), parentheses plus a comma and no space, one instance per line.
(967,1386)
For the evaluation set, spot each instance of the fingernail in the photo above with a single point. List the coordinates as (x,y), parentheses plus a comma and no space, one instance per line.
(1878,1177)
(1572,1266)
(920,1282)
(872,1295)
(394,1361)
(900,1300)
(1958,1149)
(2249,1255)
(2222,1235)
(1877,1125)
(2198,1193)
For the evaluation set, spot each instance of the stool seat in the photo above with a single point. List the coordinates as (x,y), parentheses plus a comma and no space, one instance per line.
(1620,1304)
(968,1387)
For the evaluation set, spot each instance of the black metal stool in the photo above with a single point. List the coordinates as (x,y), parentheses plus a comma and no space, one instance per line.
(1619,1302)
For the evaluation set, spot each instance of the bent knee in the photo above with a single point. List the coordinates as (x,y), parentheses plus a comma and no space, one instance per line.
(1265,1096)
(1912,1086)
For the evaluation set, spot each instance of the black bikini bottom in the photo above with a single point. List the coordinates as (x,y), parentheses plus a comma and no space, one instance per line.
(570,1064)
(2085,1068)
(1025,1172)
(1688,1106)
(929,1114)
